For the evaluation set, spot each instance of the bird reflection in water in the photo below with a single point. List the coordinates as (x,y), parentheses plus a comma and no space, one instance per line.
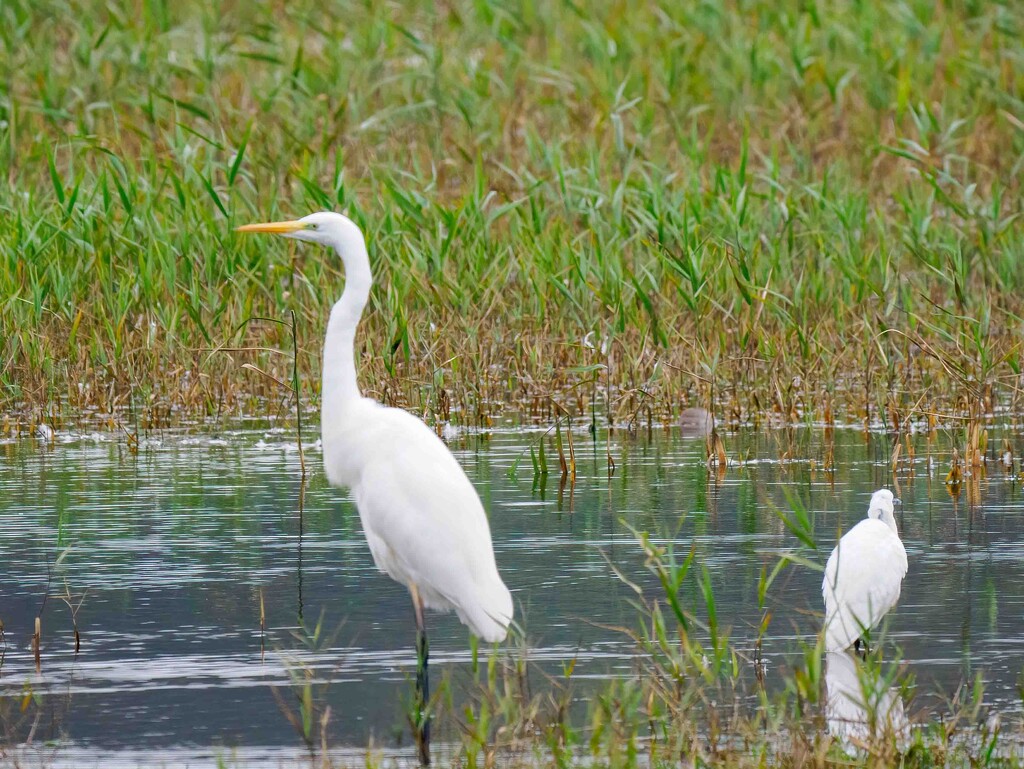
(860,706)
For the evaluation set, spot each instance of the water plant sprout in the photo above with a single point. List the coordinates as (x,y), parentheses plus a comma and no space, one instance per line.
(422,518)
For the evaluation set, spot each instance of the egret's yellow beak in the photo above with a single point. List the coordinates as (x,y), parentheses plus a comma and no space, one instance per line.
(274,227)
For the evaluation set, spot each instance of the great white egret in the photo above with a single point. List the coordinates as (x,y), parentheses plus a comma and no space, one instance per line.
(422,518)
(863,575)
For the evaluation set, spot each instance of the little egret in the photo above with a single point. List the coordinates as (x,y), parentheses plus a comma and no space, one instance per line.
(863,575)
(421,516)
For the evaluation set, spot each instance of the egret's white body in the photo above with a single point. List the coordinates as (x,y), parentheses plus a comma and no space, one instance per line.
(422,518)
(421,515)
(863,575)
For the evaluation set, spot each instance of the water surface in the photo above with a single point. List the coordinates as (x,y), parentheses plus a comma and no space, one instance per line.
(172,548)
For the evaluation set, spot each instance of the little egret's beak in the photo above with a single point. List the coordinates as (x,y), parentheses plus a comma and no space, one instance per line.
(279,228)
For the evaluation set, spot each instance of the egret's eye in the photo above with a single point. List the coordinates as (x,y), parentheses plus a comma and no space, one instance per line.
(312,226)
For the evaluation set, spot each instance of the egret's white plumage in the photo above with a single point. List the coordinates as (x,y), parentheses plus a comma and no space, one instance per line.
(863,575)
(421,515)
(422,518)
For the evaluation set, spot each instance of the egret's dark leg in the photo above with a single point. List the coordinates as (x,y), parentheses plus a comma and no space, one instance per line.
(421,716)
(861,647)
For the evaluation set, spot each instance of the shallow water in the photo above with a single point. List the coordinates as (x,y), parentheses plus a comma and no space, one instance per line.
(172,548)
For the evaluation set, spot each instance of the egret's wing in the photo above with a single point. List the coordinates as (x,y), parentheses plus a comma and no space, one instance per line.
(862,581)
(415,499)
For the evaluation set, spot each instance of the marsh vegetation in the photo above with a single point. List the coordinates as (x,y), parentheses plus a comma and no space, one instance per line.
(790,229)
(771,207)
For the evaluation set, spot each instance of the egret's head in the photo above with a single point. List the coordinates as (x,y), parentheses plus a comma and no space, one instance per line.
(325,227)
(881,506)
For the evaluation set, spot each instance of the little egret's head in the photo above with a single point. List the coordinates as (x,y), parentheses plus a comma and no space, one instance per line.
(881,506)
(324,227)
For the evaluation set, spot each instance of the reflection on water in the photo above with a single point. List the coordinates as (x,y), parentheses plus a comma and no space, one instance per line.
(861,706)
(176,548)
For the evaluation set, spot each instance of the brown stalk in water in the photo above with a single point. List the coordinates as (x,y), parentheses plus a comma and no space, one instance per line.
(36,641)
(263,628)
(296,389)
(73,608)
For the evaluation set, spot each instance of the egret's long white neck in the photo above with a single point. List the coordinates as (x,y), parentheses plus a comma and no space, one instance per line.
(886,517)
(339,365)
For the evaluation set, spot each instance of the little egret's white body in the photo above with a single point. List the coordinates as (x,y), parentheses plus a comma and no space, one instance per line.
(863,575)
(421,516)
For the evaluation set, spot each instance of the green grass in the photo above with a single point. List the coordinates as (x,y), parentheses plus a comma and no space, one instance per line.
(770,207)
(729,196)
